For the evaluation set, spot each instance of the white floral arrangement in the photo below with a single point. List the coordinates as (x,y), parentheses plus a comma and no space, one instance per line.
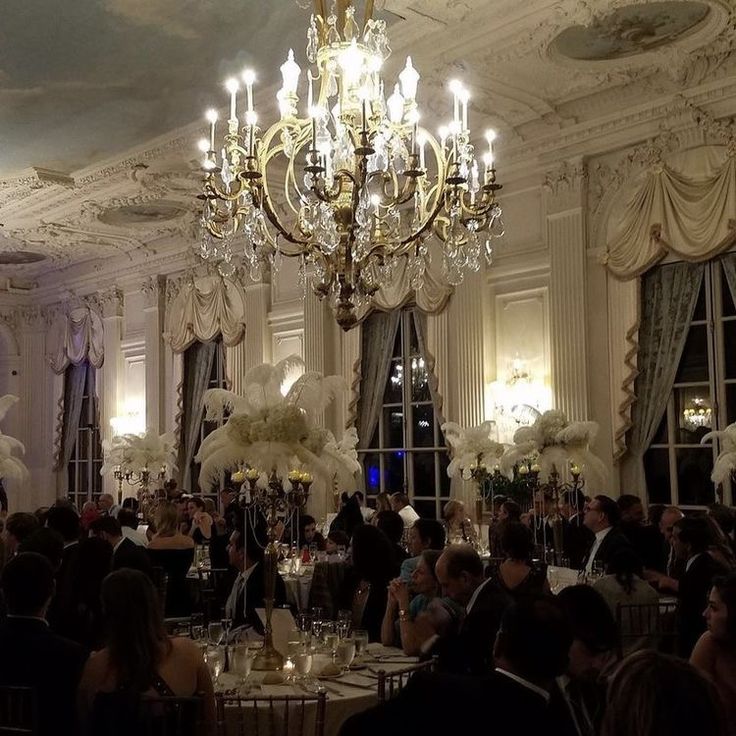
(11,466)
(726,460)
(472,449)
(269,431)
(133,453)
(555,442)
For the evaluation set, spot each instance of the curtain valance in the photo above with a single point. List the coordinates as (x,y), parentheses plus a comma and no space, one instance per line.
(204,309)
(675,209)
(76,336)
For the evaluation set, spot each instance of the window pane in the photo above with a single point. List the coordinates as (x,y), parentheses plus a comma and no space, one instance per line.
(393,473)
(657,473)
(375,440)
(660,437)
(393,427)
(694,362)
(372,473)
(419,380)
(424,480)
(729,348)
(395,383)
(425,509)
(694,466)
(397,344)
(693,414)
(726,298)
(700,312)
(444,479)
(730,403)
(422,426)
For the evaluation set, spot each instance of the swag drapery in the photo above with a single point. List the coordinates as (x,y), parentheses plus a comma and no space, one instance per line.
(685,209)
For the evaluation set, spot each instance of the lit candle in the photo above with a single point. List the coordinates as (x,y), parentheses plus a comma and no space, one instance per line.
(310,93)
(422,143)
(238,476)
(212,118)
(490,137)
(249,76)
(443,132)
(465,96)
(414,137)
(523,470)
(456,89)
(252,474)
(535,468)
(232,87)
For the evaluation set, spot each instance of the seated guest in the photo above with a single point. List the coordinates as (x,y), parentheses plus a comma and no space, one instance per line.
(18,526)
(516,575)
(529,652)
(715,652)
(645,539)
(690,539)
(33,656)
(173,552)
(412,622)
(138,659)
(621,585)
(459,527)
(231,510)
(653,694)
(308,534)
(460,573)
(392,525)
(90,512)
(45,542)
(508,511)
(107,506)
(424,534)
(400,504)
(334,540)
(248,591)
(720,548)
(602,518)
(349,517)
(383,503)
(200,529)
(364,590)
(364,510)
(668,571)
(124,552)
(129,527)
(581,689)
(577,538)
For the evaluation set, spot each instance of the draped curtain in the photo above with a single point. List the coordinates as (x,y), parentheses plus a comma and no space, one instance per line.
(420,325)
(689,215)
(75,378)
(669,296)
(729,268)
(198,361)
(77,336)
(204,309)
(378,333)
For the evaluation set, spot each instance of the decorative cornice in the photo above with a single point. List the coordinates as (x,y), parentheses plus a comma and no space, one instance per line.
(565,186)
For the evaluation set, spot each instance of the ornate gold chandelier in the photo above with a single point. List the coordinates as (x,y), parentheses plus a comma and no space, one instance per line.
(357,185)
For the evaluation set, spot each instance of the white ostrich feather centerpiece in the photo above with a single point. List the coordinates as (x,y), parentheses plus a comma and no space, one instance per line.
(11,466)
(270,431)
(555,442)
(472,447)
(133,453)
(726,460)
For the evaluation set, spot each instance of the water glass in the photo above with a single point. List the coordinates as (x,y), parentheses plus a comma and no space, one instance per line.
(317,623)
(215,631)
(304,622)
(215,657)
(360,639)
(345,653)
(331,642)
(343,629)
(303,663)
(243,657)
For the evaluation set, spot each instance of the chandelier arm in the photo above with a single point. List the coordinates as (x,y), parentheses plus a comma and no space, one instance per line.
(273,218)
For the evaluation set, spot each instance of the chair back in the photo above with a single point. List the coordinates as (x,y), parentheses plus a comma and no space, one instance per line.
(213,592)
(18,711)
(646,626)
(392,683)
(278,715)
(160,582)
(171,716)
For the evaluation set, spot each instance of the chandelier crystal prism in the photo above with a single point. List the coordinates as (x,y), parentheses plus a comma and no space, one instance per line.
(352,185)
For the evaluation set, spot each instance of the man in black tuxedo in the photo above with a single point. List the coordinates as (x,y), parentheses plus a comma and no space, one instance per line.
(125,553)
(33,656)
(530,650)
(602,517)
(65,522)
(577,537)
(468,650)
(248,591)
(690,539)
(644,538)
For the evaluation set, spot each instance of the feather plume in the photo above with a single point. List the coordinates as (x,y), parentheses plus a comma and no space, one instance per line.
(11,467)
(313,392)
(133,452)
(726,461)
(5,403)
(218,401)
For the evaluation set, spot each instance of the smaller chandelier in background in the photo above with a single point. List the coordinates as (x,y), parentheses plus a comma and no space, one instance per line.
(351,183)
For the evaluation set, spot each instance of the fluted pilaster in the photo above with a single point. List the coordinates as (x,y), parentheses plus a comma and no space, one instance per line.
(154,292)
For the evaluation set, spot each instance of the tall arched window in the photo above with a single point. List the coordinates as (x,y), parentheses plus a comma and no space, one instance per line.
(81,443)
(406,451)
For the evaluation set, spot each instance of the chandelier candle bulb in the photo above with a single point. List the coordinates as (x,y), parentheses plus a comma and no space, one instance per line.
(456,89)
(249,77)
(464,98)
(290,72)
(212,119)
(232,87)
(310,93)
(422,144)
(409,79)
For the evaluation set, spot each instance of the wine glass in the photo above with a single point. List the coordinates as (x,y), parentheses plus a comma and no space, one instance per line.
(360,638)
(226,626)
(317,623)
(598,569)
(304,622)
(243,658)
(332,639)
(345,653)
